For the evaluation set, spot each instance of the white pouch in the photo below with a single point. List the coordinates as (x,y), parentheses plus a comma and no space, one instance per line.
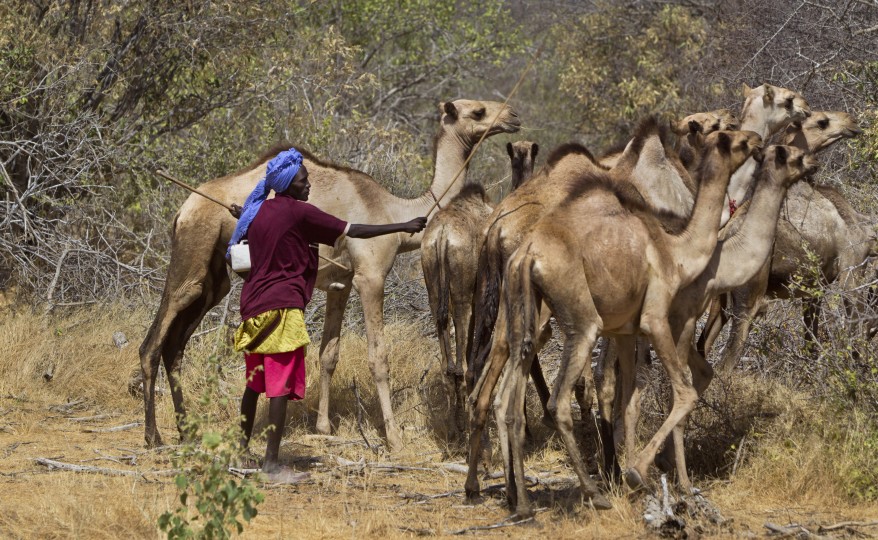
(241,257)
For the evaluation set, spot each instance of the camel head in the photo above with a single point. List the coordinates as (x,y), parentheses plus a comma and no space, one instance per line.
(788,164)
(737,146)
(469,119)
(707,122)
(727,120)
(821,130)
(523,155)
(774,106)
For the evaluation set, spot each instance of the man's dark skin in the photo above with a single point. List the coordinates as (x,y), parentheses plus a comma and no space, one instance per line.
(299,189)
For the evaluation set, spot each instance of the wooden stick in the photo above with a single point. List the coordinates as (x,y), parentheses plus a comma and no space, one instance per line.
(167,176)
(228,207)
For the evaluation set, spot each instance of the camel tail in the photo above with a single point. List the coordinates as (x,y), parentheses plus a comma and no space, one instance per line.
(444,284)
(486,301)
(522,304)
(149,344)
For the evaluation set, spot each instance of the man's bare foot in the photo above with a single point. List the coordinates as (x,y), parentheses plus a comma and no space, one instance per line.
(283,475)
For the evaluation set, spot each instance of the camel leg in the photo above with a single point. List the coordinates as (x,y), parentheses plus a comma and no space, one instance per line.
(437,294)
(371,289)
(716,319)
(504,405)
(175,313)
(536,371)
(497,358)
(629,396)
(605,381)
(462,318)
(746,302)
(574,365)
(702,374)
(215,289)
(684,394)
(336,301)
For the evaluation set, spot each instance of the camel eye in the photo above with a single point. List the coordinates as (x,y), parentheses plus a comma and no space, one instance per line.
(789,103)
(823,123)
(478,114)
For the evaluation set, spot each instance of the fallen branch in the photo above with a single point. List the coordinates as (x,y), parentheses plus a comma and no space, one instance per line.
(124,427)
(846,524)
(57,465)
(491,527)
(91,418)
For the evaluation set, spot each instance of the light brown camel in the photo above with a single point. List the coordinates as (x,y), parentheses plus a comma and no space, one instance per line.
(734,262)
(197,277)
(603,263)
(812,217)
(767,110)
(450,241)
(692,129)
(512,220)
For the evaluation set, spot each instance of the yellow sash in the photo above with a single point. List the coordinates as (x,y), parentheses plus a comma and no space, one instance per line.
(275,331)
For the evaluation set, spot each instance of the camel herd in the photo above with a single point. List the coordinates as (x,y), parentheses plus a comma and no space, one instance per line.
(634,246)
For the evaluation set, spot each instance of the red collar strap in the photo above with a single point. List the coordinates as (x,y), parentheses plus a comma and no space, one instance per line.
(733,205)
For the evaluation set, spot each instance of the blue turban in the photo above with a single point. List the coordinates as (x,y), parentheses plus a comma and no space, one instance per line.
(279,175)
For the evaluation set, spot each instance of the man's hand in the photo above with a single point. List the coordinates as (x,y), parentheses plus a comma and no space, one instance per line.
(416,225)
(235,210)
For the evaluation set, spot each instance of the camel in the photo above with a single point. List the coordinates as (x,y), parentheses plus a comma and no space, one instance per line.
(646,161)
(624,269)
(692,129)
(449,242)
(767,110)
(197,277)
(734,262)
(522,157)
(815,216)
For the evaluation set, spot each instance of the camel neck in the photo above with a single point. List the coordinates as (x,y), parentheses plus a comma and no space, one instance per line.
(695,245)
(746,251)
(448,180)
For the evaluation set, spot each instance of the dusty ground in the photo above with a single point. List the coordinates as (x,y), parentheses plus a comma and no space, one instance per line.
(415,493)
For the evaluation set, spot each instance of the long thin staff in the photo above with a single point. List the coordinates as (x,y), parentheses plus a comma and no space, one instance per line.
(228,207)
(494,121)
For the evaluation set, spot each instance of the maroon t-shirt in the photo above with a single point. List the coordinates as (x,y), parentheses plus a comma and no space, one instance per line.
(283,240)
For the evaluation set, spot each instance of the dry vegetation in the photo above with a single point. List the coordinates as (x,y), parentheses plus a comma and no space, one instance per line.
(794,466)
(790,438)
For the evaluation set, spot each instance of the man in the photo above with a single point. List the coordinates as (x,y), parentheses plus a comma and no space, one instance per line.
(283,234)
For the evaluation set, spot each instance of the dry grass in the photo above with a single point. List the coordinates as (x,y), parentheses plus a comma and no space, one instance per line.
(795,466)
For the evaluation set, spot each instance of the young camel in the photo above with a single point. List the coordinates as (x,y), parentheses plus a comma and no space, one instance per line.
(197,277)
(734,262)
(812,216)
(624,269)
(451,238)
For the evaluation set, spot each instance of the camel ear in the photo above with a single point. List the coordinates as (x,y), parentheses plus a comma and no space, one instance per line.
(724,142)
(695,127)
(746,89)
(450,109)
(768,97)
(509,150)
(793,127)
(535,149)
(781,155)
